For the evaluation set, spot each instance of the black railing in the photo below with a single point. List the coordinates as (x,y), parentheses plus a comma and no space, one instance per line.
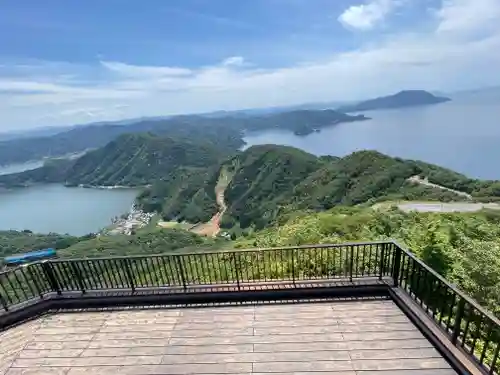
(467,325)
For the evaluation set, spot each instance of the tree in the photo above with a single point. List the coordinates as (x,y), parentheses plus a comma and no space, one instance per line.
(435,252)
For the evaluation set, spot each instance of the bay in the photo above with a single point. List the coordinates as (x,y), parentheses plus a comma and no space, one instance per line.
(56,208)
(463,135)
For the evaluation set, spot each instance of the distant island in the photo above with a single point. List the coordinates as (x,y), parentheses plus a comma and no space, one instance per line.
(406,98)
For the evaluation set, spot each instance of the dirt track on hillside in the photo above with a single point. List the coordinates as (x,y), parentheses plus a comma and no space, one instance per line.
(212,227)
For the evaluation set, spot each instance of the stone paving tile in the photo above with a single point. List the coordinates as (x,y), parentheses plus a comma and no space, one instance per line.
(140,321)
(389,344)
(232,340)
(394,354)
(183,369)
(136,328)
(50,353)
(127,343)
(39,371)
(295,323)
(56,345)
(208,349)
(300,347)
(400,364)
(348,338)
(213,332)
(290,367)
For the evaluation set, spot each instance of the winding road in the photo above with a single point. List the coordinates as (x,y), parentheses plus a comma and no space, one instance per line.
(408,206)
(447,207)
(212,227)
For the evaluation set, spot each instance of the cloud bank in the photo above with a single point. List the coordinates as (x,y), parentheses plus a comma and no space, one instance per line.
(459,49)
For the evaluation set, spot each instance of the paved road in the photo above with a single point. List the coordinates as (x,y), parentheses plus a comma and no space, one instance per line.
(447,207)
(425,181)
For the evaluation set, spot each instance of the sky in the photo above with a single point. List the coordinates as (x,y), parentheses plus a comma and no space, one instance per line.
(64,62)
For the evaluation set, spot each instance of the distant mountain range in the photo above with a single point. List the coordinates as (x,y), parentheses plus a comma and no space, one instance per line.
(407,98)
(222,132)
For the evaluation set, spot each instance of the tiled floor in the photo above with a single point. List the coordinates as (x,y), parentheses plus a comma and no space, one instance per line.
(343,338)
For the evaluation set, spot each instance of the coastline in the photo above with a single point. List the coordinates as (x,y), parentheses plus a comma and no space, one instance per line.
(135,219)
(108,187)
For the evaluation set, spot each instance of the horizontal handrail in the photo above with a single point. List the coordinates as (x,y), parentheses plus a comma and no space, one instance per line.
(322,261)
(226,251)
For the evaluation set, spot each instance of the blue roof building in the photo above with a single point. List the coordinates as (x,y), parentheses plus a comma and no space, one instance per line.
(29,257)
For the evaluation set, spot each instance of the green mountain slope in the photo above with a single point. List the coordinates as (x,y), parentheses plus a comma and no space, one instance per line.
(138,159)
(463,247)
(362,177)
(187,195)
(129,160)
(270,181)
(273,180)
(14,242)
(263,179)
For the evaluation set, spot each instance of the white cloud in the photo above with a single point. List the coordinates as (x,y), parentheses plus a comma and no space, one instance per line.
(234,60)
(468,18)
(143,71)
(367,16)
(461,49)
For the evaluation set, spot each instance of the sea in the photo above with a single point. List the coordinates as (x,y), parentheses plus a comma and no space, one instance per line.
(463,135)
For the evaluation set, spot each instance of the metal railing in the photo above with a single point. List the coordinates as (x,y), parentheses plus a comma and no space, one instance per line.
(468,325)
(186,271)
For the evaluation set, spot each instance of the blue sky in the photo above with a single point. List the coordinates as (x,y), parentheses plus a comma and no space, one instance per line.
(72,61)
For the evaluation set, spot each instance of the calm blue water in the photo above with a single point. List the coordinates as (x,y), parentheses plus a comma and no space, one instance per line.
(463,135)
(55,208)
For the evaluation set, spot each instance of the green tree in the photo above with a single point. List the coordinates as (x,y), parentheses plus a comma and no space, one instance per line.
(435,251)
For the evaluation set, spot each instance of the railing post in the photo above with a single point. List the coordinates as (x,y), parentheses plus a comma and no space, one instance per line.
(78,275)
(382,261)
(128,271)
(180,267)
(396,268)
(293,267)
(458,321)
(35,282)
(351,264)
(51,277)
(236,265)
(3,303)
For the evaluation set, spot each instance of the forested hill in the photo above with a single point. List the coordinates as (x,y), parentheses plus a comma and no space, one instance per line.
(263,178)
(301,122)
(268,182)
(272,180)
(129,160)
(224,133)
(407,98)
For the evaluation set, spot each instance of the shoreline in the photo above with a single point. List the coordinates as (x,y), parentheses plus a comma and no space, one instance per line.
(108,187)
